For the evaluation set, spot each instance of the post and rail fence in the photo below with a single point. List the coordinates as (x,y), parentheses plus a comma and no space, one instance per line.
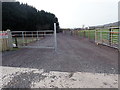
(108,37)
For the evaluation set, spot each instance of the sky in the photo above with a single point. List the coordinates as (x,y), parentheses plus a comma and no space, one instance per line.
(76,13)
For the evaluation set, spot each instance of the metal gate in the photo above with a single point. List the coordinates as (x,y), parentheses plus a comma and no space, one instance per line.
(35,39)
(108,37)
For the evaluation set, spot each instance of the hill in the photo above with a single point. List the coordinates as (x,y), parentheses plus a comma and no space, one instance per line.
(115,24)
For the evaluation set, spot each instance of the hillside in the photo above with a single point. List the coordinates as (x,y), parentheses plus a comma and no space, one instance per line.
(115,24)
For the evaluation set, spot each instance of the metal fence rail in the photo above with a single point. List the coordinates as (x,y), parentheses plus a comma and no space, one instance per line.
(23,39)
(109,37)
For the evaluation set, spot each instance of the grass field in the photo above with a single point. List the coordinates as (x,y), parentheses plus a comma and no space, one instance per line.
(104,36)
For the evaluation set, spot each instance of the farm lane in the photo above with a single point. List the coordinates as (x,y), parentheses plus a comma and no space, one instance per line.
(74,57)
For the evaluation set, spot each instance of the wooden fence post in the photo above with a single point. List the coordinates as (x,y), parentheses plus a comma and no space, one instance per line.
(95,36)
(110,35)
(84,34)
(89,34)
(23,39)
(10,46)
(33,37)
(101,39)
(37,36)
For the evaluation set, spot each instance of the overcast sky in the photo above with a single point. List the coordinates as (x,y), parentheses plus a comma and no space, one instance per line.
(75,13)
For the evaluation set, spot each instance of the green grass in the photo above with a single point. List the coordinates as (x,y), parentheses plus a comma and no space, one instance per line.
(105,35)
(26,40)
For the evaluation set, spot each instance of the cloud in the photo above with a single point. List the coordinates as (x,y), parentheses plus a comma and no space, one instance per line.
(75,13)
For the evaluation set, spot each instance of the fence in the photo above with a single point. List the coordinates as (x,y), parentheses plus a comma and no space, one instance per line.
(109,37)
(28,39)
(5,40)
(25,39)
(35,39)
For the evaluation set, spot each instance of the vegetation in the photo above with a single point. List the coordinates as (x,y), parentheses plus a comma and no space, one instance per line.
(22,17)
(105,34)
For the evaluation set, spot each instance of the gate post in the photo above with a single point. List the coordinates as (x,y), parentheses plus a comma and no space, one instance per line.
(37,36)
(101,39)
(95,36)
(110,37)
(9,39)
(55,37)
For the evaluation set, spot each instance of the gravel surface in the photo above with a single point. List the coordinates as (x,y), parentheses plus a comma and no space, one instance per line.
(77,63)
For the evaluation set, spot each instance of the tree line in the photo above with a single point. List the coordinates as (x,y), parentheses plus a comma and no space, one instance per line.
(17,16)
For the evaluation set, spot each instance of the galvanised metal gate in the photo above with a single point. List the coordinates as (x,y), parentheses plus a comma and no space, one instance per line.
(35,39)
(108,37)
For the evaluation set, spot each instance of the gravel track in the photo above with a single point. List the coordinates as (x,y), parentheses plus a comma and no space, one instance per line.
(75,57)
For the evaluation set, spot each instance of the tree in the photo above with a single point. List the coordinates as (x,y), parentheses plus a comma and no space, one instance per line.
(22,17)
